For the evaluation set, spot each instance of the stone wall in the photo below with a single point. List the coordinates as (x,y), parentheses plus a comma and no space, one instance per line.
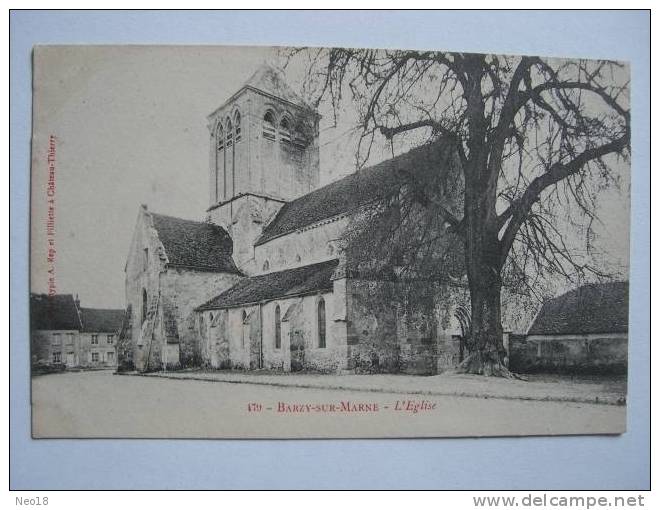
(182,290)
(230,342)
(311,245)
(579,354)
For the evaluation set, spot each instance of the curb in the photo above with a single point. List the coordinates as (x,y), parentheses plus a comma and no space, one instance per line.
(578,400)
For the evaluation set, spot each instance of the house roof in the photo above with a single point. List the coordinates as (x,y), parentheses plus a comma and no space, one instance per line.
(592,308)
(280,284)
(271,80)
(101,320)
(353,191)
(57,312)
(195,244)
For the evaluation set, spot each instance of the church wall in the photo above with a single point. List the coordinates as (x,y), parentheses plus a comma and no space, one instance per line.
(186,289)
(141,277)
(314,244)
(244,218)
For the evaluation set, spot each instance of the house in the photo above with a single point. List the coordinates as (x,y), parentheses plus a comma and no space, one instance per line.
(98,336)
(583,331)
(268,279)
(64,335)
(55,324)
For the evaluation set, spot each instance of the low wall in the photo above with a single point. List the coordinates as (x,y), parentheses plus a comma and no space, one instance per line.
(579,354)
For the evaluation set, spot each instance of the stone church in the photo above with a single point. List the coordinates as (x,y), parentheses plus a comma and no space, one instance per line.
(267,281)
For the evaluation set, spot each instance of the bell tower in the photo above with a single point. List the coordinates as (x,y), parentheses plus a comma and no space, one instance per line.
(263,153)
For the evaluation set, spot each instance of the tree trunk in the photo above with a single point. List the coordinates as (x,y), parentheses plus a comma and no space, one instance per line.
(486,350)
(482,258)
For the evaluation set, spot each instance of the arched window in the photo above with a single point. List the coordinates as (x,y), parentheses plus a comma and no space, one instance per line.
(144,305)
(237,126)
(266,266)
(321,322)
(220,163)
(229,166)
(285,130)
(278,328)
(269,126)
(298,258)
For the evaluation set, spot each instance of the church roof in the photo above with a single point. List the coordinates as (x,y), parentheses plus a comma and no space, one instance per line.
(276,285)
(592,308)
(57,312)
(195,244)
(270,80)
(101,320)
(352,192)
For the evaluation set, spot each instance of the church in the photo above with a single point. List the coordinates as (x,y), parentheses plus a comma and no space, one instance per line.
(268,280)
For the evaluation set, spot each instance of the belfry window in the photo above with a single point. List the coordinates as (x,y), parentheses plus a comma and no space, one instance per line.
(230,134)
(220,163)
(237,127)
(285,131)
(269,126)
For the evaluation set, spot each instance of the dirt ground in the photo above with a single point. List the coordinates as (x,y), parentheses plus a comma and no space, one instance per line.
(102,405)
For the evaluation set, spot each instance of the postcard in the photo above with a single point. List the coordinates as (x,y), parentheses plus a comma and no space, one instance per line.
(275,242)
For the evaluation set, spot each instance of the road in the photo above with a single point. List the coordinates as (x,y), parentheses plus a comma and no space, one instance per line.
(102,405)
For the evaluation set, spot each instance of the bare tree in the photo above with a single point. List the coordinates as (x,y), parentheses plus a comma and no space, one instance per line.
(531,135)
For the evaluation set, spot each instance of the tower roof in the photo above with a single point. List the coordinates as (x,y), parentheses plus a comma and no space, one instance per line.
(271,80)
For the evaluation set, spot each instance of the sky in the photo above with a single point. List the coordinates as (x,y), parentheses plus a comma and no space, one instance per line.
(129,125)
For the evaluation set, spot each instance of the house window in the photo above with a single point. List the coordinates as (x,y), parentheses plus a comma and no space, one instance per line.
(321,322)
(57,357)
(95,339)
(145,259)
(237,126)
(269,126)
(278,328)
(109,339)
(144,305)
(69,338)
(95,357)
(110,356)
(56,339)
(285,131)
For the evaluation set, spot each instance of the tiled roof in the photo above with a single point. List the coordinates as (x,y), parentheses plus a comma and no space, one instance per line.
(592,308)
(101,320)
(195,244)
(291,282)
(54,312)
(355,190)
